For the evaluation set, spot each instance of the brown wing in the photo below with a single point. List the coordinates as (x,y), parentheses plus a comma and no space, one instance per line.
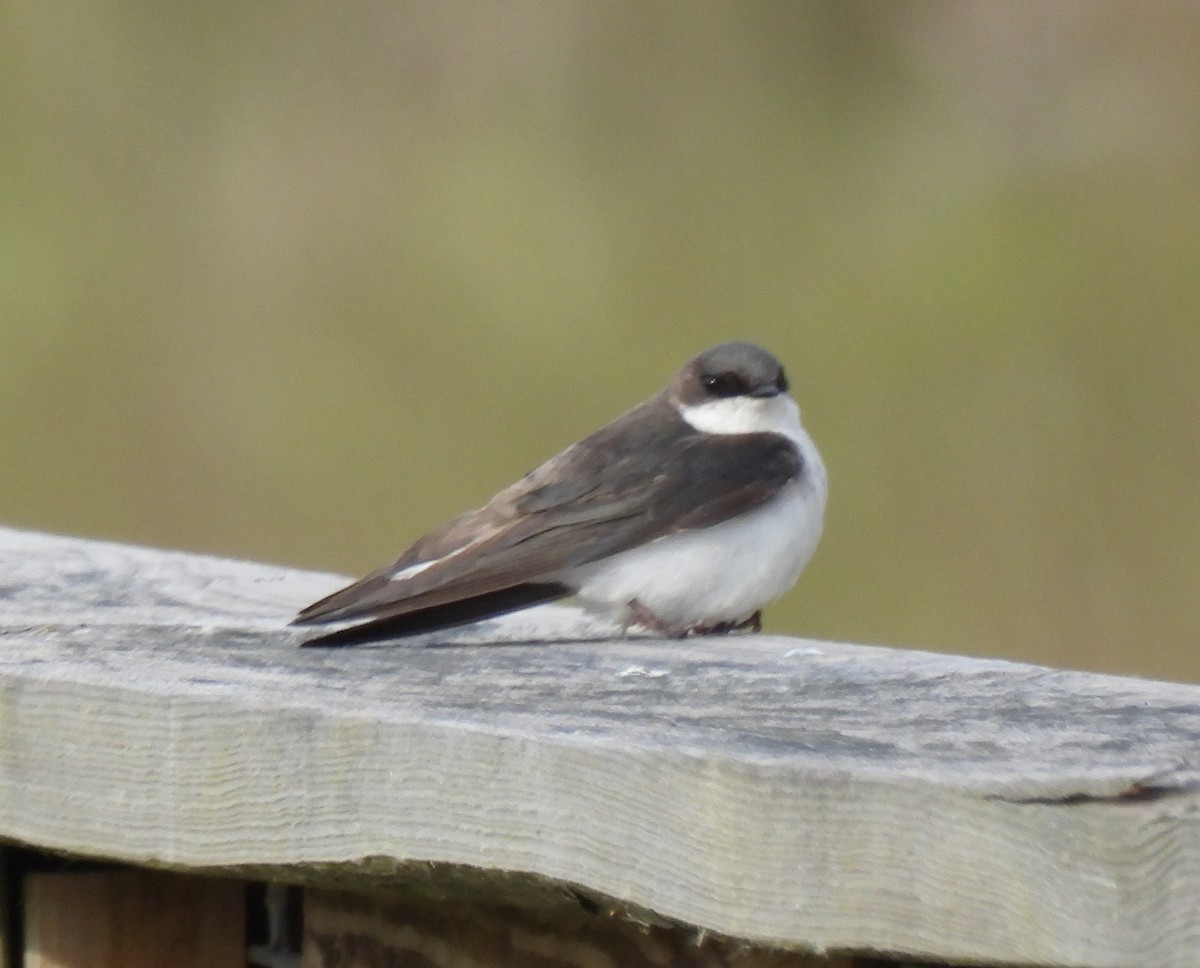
(591,501)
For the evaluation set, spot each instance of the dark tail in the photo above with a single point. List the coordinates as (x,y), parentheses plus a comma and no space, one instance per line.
(447,616)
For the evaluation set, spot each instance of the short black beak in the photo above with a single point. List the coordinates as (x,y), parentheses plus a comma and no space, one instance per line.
(766,391)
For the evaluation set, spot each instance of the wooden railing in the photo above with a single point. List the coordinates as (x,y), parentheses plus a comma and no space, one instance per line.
(533,791)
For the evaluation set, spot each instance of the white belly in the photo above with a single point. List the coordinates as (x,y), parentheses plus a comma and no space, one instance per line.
(720,574)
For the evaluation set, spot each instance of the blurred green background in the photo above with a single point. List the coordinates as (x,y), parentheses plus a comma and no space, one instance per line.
(296,281)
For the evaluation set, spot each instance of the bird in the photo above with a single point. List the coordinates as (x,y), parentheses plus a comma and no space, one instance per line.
(685,516)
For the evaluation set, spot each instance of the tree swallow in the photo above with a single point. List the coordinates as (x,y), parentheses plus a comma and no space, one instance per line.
(684,516)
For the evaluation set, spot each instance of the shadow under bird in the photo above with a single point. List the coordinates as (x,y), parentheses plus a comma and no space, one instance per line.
(684,516)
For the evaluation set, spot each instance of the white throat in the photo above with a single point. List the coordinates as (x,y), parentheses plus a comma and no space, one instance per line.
(747,415)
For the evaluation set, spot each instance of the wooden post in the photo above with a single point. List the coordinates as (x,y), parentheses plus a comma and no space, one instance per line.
(133,919)
(8,912)
(375,931)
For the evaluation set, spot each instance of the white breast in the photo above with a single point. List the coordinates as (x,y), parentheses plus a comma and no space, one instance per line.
(727,572)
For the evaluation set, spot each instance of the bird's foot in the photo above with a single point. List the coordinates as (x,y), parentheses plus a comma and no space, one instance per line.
(751,624)
(639,614)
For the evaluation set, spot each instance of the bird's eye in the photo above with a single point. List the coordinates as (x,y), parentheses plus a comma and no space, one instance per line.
(781,383)
(724,384)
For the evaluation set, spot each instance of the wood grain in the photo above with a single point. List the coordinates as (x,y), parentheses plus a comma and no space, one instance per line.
(155,709)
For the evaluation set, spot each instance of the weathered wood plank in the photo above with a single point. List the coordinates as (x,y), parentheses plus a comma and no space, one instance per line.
(133,919)
(154,709)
